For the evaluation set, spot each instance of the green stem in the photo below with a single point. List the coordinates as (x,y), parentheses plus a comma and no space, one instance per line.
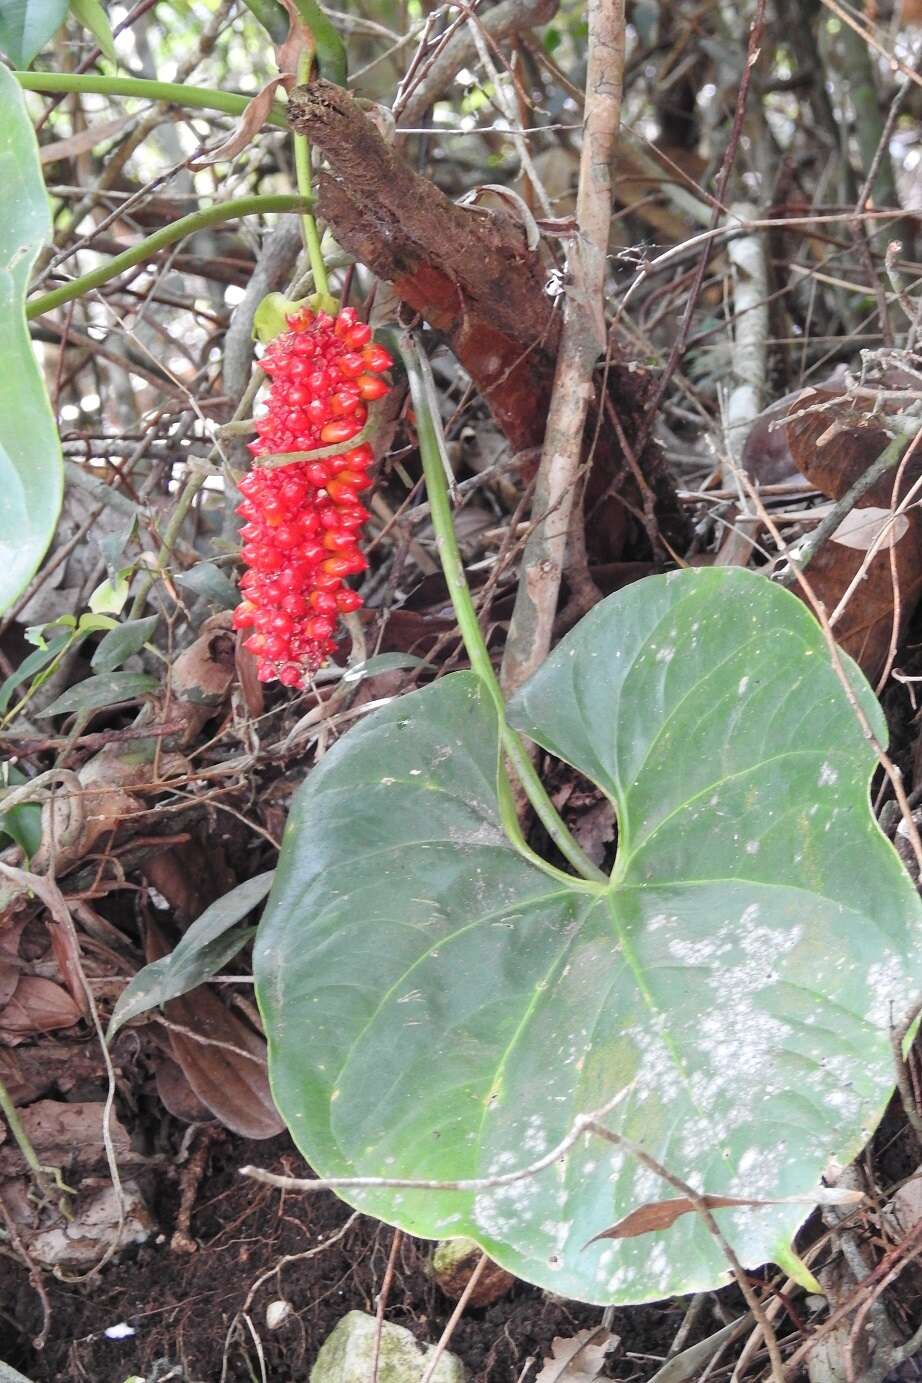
(146,249)
(194,483)
(474,642)
(17,1129)
(305,188)
(198,98)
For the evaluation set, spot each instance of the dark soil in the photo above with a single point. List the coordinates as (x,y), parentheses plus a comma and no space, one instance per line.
(184,1307)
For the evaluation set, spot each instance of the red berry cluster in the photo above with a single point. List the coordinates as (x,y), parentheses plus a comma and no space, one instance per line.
(300,539)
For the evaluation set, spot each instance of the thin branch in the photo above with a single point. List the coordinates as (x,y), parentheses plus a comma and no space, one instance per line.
(582,341)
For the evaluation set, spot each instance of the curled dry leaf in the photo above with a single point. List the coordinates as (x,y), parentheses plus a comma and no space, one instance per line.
(833,449)
(37,1005)
(246,129)
(580,1358)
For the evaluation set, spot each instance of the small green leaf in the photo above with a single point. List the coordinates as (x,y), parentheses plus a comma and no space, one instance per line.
(122,641)
(30,666)
(31,469)
(438,1007)
(22,824)
(210,583)
(93,624)
(92,16)
(109,598)
(200,952)
(26,26)
(107,689)
(271,316)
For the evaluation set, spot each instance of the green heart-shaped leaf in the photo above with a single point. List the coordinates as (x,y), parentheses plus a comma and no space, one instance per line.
(438,1007)
(31,471)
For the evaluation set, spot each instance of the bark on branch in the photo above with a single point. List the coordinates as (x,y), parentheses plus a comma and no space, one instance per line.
(469,272)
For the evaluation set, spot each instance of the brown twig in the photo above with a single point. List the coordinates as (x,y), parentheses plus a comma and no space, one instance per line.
(582,341)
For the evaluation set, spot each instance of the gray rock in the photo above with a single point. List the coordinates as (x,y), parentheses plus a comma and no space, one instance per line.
(346,1355)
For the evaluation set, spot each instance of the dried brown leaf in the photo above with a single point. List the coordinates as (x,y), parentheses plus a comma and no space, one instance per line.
(222,1058)
(84,140)
(38,1005)
(246,129)
(660,1215)
(64,1133)
(833,449)
(579,1358)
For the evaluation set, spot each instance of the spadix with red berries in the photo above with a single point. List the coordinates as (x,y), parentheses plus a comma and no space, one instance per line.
(303,519)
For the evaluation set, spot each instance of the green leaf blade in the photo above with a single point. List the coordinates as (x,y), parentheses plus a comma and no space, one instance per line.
(26,26)
(437,1007)
(105,689)
(31,468)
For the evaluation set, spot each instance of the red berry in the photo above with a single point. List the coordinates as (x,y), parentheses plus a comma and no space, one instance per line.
(377,358)
(302,520)
(340,430)
(372,387)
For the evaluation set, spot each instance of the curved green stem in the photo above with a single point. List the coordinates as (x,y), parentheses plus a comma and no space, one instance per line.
(146,249)
(474,642)
(305,188)
(197,98)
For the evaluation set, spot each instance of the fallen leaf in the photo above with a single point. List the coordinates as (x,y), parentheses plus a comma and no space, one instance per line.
(222,1058)
(578,1358)
(659,1215)
(66,1134)
(100,1225)
(832,449)
(176,1093)
(38,1005)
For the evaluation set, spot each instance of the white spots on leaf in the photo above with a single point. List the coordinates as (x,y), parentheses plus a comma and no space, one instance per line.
(828,775)
(752,847)
(744,683)
(890,990)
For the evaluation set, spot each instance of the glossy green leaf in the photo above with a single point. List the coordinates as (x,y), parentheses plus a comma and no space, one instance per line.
(437,1007)
(209,943)
(123,641)
(22,824)
(25,27)
(92,16)
(31,470)
(106,689)
(30,666)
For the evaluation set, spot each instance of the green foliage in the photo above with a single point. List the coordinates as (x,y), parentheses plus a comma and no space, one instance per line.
(93,17)
(439,1007)
(22,824)
(31,471)
(105,689)
(120,643)
(211,941)
(26,26)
